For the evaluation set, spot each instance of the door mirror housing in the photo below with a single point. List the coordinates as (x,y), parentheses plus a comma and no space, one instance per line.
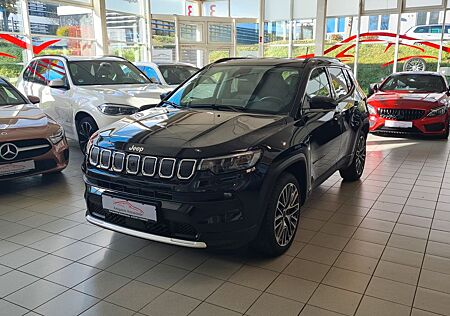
(373,88)
(33,99)
(164,95)
(58,84)
(322,103)
(155,80)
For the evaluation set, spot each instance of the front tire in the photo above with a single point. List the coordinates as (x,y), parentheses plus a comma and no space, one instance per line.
(447,132)
(356,168)
(85,128)
(280,222)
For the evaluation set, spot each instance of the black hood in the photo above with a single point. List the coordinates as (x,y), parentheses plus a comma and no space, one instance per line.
(189,133)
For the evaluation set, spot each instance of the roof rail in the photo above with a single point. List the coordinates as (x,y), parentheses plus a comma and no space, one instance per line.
(115,56)
(221,60)
(51,56)
(323,58)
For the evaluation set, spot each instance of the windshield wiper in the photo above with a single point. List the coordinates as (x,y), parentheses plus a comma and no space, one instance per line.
(172,104)
(218,107)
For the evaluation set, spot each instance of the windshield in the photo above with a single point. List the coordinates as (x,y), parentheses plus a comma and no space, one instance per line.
(98,72)
(414,83)
(176,74)
(258,89)
(9,95)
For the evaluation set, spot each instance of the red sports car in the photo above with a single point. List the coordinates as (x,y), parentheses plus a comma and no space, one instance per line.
(411,103)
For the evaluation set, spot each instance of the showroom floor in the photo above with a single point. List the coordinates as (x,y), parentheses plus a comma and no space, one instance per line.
(377,247)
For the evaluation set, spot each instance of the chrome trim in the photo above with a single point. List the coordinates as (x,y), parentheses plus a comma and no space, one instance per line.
(173,168)
(109,160)
(154,168)
(123,161)
(98,156)
(137,169)
(139,234)
(192,171)
(20,149)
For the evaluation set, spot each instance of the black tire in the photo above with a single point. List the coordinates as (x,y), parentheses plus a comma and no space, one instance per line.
(447,133)
(356,168)
(270,240)
(85,128)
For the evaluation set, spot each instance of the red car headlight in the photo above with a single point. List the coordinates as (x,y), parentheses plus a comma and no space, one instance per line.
(438,111)
(372,110)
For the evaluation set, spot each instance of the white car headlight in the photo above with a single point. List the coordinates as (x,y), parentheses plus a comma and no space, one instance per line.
(231,163)
(438,111)
(372,110)
(57,137)
(117,109)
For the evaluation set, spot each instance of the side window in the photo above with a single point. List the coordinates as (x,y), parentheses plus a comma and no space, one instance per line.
(28,74)
(318,84)
(40,73)
(339,82)
(151,73)
(56,70)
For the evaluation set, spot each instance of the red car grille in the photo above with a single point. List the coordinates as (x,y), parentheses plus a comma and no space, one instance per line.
(401,114)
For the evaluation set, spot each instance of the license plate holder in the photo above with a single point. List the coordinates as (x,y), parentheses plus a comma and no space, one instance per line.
(398,124)
(16,167)
(131,209)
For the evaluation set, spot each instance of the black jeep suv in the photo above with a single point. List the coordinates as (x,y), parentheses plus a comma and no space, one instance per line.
(229,157)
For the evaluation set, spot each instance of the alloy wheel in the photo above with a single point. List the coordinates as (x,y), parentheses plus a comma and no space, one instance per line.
(360,155)
(287,214)
(415,64)
(84,133)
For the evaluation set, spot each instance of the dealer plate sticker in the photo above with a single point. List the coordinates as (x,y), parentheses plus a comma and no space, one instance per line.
(16,167)
(399,124)
(129,208)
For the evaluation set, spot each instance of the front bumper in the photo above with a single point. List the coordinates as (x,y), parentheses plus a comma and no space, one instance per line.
(54,160)
(220,219)
(424,126)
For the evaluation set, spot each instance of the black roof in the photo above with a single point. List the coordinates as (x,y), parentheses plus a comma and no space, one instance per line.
(279,61)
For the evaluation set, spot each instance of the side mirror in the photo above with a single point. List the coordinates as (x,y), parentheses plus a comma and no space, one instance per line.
(322,103)
(58,84)
(33,99)
(373,88)
(164,95)
(376,87)
(155,80)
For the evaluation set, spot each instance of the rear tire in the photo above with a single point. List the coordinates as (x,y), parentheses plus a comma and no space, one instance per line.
(280,222)
(85,128)
(356,169)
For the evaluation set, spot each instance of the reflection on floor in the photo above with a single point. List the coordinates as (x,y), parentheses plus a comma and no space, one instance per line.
(376,247)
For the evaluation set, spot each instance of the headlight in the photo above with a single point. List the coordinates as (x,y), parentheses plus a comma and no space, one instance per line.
(231,163)
(372,110)
(438,111)
(117,109)
(57,137)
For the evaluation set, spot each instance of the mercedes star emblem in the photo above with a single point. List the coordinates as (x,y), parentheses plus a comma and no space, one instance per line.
(9,151)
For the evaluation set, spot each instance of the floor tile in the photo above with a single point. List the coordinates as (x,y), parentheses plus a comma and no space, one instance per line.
(72,274)
(197,286)
(269,304)
(21,257)
(10,309)
(356,263)
(310,310)
(102,284)
(235,297)
(73,302)
(164,305)
(432,301)
(334,299)
(36,294)
(253,277)
(308,270)
(45,265)
(105,308)
(206,309)
(134,295)
(347,280)
(13,281)
(371,306)
(397,272)
(131,266)
(293,288)
(163,276)
(391,291)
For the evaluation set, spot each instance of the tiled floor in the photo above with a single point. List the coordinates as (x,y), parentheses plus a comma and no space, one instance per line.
(376,247)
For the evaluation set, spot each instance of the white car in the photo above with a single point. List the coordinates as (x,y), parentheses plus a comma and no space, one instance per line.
(428,32)
(168,75)
(84,94)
